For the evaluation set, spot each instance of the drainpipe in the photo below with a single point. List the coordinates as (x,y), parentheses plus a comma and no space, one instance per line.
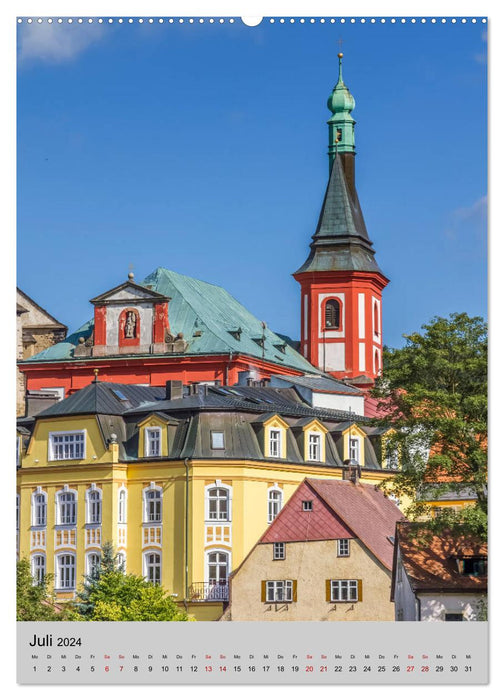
(186,547)
(226,369)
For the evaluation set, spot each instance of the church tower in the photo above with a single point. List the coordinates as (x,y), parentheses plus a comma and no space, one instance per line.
(341,283)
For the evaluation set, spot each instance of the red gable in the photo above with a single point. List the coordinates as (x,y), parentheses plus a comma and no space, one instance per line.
(341,509)
(293,524)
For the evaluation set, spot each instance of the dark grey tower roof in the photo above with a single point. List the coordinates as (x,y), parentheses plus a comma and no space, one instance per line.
(341,241)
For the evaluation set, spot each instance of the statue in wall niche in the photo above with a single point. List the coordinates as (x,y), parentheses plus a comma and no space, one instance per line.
(130,325)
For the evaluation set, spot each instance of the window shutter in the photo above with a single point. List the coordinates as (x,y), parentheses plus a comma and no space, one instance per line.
(328,590)
(294,591)
(359,590)
(263,591)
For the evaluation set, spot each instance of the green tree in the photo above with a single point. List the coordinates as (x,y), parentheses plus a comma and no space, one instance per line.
(108,563)
(433,391)
(119,597)
(33,601)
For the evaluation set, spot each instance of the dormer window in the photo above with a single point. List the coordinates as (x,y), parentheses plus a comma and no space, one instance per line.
(332,317)
(275,437)
(474,566)
(152,442)
(354,449)
(314,447)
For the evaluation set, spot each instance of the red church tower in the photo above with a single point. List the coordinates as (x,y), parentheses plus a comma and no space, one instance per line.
(341,283)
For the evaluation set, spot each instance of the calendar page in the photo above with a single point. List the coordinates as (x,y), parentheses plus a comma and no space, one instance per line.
(251,438)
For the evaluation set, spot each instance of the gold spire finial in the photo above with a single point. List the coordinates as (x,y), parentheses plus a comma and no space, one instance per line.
(96,372)
(340,55)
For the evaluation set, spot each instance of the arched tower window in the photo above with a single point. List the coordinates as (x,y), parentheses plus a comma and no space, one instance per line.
(332,316)
(376,319)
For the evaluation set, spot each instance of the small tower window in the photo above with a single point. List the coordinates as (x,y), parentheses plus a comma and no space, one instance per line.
(332,314)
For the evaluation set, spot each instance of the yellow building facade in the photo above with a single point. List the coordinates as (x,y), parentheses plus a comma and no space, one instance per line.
(183,522)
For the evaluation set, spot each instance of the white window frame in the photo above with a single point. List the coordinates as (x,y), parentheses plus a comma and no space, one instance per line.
(314,455)
(208,554)
(279,591)
(147,565)
(392,457)
(90,517)
(35,506)
(148,432)
(65,490)
(61,433)
(276,453)
(213,436)
(36,569)
(122,505)
(279,551)
(307,506)
(274,504)
(354,448)
(152,487)
(58,582)
(338,586)
(343,547)
(89,566)
(121,561)
(228,498)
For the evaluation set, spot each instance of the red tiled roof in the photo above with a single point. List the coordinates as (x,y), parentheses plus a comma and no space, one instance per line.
(340,509)
(293,524)
(432,564)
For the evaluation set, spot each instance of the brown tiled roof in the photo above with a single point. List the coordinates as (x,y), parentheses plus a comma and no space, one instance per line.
(431,563)
(341,509)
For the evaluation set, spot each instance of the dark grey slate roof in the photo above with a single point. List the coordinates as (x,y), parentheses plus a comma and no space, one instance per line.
(319,383)
(341,241)
(102,397)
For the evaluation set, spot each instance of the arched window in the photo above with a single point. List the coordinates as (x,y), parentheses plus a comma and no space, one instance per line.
(121,561)
(66,507)
(152,505)
(39,509)
(122,505)
(275,498)
(93,561)
(152,567)
(38,568)
(376,320)
(218,504)
(94,506)
(332,317)
(377,361)
(218,567)
(65,571)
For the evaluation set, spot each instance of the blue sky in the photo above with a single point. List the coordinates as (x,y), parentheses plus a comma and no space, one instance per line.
(202,148)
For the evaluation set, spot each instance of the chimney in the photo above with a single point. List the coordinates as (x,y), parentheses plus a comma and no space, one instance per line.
(174,389)
(351,471)
(244,377)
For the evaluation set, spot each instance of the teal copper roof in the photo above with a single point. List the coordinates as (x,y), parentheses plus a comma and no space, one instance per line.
(213,322)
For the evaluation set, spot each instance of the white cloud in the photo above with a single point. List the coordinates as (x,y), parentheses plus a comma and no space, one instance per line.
(473,217)
(56,43)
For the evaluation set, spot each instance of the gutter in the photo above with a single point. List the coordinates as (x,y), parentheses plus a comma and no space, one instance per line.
(186,537)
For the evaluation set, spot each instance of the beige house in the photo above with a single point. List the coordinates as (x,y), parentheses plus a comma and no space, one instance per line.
(36,330)
(327,556)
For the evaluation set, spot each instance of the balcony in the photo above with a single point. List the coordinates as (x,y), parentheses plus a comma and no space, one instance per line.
(213,591)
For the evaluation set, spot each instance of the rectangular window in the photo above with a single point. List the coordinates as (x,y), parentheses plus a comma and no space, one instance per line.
(278,591)
(274,443)
(343,548)
(279,550)
(314,443)
(67,445)
(217,438)
(354,449)
(307,505)
(153,442)
(344,591)
(66,571)
(454,617)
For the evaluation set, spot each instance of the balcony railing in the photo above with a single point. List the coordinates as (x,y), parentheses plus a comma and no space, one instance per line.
(203,591)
